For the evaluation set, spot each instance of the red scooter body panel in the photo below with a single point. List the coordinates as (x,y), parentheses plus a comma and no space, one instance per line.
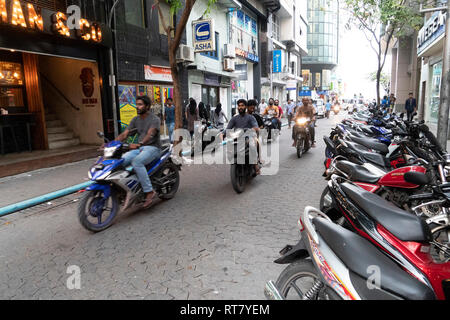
(396,178)
(368,186)
(413,251)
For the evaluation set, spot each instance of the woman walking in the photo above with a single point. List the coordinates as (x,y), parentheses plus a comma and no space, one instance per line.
(219,116)
(192,115)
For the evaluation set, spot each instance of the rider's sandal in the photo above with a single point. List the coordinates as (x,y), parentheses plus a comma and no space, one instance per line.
(149,202)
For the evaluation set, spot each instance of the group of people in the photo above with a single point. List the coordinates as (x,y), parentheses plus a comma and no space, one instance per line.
(410,104)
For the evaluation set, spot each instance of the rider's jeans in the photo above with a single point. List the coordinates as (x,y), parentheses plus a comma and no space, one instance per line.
(138,158)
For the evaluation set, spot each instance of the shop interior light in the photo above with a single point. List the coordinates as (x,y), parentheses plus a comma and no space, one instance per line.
(2,76)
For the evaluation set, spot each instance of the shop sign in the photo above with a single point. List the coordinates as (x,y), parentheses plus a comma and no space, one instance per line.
(304,93)
(204,35)
(155,73)
(276,61)
(432,29)
(247,55)
(30,17)
(291,85)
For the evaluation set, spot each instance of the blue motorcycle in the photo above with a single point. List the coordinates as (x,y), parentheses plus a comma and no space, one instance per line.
(115,186)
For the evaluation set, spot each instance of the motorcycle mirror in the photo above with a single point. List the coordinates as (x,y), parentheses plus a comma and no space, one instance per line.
(418,178)
(100,134)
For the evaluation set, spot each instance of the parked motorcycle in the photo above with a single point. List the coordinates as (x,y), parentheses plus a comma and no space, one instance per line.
(302,136)
(332,263)
(117,186)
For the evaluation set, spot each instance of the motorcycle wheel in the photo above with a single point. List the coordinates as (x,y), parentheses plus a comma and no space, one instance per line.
(297,279)
(440,235)
(238,179)
(92,207)
(300,147)
(170,171)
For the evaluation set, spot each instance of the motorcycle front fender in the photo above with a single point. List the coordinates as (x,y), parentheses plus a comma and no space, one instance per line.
(290,253)
(101,187)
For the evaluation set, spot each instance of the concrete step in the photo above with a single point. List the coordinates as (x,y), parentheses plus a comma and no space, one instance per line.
(60,136)
(51,117)
(56,130)
(63,143)
(54,123)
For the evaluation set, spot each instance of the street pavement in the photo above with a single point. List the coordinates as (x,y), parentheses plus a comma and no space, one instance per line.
(206,243)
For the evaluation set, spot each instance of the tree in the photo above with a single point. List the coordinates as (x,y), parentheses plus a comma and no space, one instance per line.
(385,80)
(174,32)
(381,21)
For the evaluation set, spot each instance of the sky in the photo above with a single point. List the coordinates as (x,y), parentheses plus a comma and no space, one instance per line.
(356,60)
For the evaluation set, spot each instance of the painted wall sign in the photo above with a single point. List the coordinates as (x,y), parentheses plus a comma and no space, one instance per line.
(432,29)
(27,16)
(203,35)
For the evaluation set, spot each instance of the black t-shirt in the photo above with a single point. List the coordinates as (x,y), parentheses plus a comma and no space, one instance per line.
(259,120)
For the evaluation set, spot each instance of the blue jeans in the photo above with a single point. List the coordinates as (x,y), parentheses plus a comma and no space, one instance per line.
(170,128)
(139,158)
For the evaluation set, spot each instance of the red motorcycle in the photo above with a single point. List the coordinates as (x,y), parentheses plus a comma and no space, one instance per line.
(404,237)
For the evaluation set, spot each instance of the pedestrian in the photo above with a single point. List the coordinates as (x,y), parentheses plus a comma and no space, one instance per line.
(392,100)
(290,111)
(219,117)
(192,115)
(262,106)
(384,102)
(328,109)
(202,112)
(169,117)
(410,106)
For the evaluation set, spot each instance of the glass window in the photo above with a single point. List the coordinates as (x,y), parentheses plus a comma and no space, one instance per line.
(213,54)
(435,92)
(134,12)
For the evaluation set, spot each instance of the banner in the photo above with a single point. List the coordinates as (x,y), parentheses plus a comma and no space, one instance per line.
(276,61)
(157,73)
(127,104)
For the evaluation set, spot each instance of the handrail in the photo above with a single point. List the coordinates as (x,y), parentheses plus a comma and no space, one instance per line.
(59,91)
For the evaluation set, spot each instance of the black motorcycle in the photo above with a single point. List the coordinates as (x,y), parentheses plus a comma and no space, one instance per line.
(302,136)
(270,127)
(242,154)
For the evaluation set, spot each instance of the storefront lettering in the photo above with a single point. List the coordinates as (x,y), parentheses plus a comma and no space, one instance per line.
(247,55)
(31,18)
(435,24)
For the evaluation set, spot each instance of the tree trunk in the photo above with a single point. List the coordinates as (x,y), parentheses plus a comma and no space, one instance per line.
(378,85)
(177,100)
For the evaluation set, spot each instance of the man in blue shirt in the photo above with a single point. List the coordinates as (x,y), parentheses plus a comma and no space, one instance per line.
(328,109)
(290,107)
(169,117)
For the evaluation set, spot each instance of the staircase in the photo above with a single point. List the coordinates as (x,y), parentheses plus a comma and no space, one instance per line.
(59,136)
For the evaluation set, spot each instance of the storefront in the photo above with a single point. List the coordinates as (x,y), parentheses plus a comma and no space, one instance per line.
(430,46)
(158,87)
(243,28)
(51,79)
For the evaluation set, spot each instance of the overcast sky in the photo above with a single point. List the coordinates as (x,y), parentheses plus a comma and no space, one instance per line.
(357,60)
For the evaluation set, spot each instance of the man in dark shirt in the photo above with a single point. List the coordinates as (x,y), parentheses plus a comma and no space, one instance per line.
(251,106)
(410,106)
(148,147)
(243,120)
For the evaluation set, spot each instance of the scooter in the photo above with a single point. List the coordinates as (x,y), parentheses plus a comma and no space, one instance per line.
(115,185)
(332,263)
(302,135)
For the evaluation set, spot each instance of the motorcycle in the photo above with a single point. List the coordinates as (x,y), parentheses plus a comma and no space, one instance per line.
(115,185)
(404,237)
(242,154)
(332,263)
(302,136)
(270,127)
(209,133)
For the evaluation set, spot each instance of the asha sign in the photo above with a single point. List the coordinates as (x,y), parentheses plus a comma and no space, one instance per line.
(203,35)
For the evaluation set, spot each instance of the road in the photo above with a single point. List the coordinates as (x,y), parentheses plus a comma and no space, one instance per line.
(206,243)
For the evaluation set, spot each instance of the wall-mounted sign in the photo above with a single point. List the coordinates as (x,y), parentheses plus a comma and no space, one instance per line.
(24,15)
(432,29)
(87,86)
(155,73)
(247,55)
(277,61)
(203,35)
(291,85)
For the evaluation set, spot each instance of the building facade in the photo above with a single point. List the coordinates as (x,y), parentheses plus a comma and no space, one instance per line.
(52,75)
(323,47)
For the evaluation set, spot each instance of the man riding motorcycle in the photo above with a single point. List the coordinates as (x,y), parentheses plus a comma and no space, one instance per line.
(273,111)
(147,149)
(243,120)
(306,110)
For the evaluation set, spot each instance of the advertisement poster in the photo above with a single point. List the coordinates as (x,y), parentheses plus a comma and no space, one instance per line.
(276,61)
(127,103)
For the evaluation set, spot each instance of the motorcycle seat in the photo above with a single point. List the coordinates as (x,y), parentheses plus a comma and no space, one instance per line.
(359,255)
(402,224)
(373,157)
(371,143)
(366,129)
(357,172)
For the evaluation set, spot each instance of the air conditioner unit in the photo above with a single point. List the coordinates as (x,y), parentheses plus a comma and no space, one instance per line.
(185,54)
(229,51)
(228,64)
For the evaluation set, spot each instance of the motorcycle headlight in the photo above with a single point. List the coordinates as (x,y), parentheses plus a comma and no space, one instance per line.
(301,121)
(109,152)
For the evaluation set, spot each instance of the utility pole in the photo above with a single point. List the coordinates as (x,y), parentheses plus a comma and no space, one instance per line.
(442,129)
(112,77)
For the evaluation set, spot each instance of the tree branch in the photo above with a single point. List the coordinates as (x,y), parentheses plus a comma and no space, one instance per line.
(163,21)
(182,24)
